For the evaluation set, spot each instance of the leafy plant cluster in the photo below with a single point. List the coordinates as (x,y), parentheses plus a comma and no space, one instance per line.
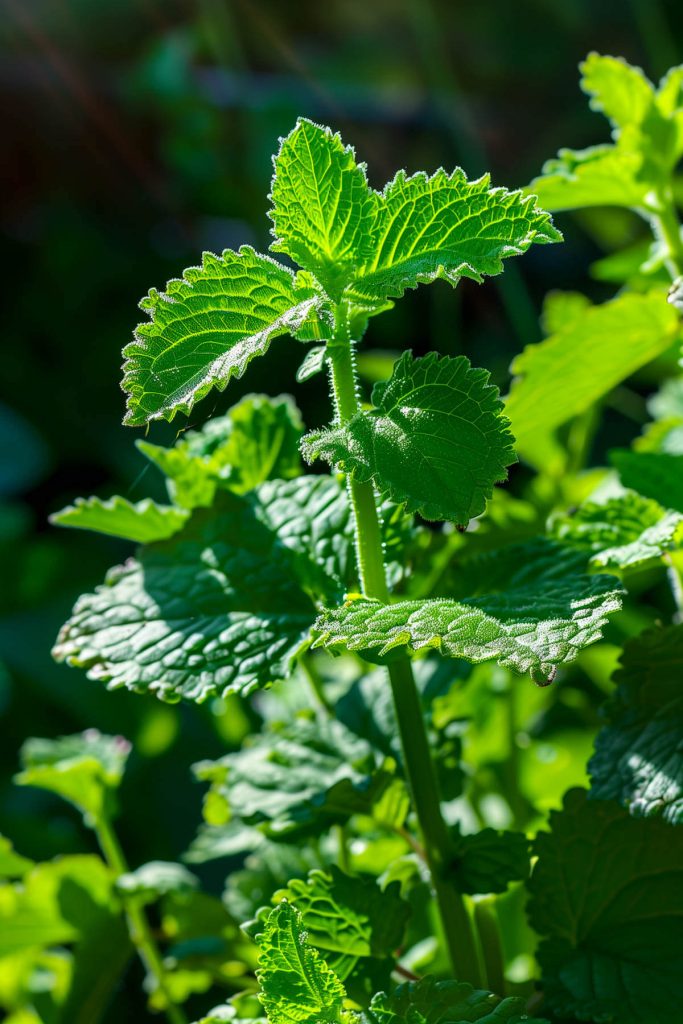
(391,854)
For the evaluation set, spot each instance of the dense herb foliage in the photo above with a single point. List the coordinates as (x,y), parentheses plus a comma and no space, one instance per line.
(396,823)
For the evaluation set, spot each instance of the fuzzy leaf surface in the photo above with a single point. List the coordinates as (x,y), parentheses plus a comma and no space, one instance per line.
(297,778)
(657,475)
(226,604)
(446,1002)
(611,926)
(348,917)
(206,328)
(617,89)
(436,440)
(142,522)
(532,619)
(84,769)
(638,757)
(323,209)
(445,226)
(568,372)
(620,533)
(297,985)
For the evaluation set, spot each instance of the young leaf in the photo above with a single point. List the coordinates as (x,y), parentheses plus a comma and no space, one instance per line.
(297,986)
(142,522)
(446,227)
(206,328)
(256,440)
(84,769)
(657,475)
(621,533)
(488,861)
(569,371)
(619,91)
(446,1002)
(539,618)
(611,925)
(638,758)
(323,211)
(348,917)
(596,176)
(435,441)
(297,779)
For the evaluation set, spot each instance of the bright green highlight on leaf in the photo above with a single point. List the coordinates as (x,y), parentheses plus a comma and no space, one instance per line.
(84,769)
(638,756)
(206,328)
(569,371)
(435,441)
(647,128)
(355,245)
(297,986)
(142,522)
(611,924)
(533,625)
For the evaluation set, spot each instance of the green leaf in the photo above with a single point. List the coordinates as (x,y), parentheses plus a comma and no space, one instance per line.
(248,891)
(142,522)
(611,925)
(84,769)
(224,606)
(348,917)
(539,615)
(638,758)
(296,983)
(323,211)
(446,1002)
(488,861)
(621,533)
(313,363)
(56,903)
(567,373)
(619,91)
(435,441)
(256,440)
(206,328)
(297,778)
(560,309)
(597,176)
(447,227)
(155,879)
(675,295)
(657,475)
(12,864)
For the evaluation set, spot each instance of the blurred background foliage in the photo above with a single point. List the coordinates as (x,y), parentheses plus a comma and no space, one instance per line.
(137,133)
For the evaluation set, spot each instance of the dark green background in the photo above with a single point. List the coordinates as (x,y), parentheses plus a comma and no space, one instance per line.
(137,133)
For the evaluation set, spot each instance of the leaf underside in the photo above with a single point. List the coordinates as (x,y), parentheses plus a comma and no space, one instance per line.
(435,441)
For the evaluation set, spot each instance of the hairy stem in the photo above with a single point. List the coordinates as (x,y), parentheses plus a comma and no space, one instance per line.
(455,920)
(138,925)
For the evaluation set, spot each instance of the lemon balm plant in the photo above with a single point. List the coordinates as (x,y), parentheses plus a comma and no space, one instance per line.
(369,887)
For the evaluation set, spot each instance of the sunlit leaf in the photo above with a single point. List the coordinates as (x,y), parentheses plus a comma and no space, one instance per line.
(142,522)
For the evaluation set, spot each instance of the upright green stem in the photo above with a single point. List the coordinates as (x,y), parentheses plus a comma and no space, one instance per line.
(138,925)
(667,229)
(456,923)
